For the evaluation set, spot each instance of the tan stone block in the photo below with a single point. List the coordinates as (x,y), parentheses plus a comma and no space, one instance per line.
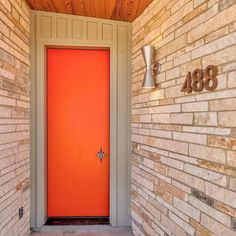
(218,58)
(216,45)
(166,196)
(228,170)
(184,158)
(207,130)
(160,168)
(186,208)
(173,73)
(227,119)
(221,142)
(225,209)
(187,179)
(195,106)
(205,118)
(186,226)
(174,146)
(222,19)
(179,60)
(151,141)
(173,190)
(217,34)
(173,92)
(183,118)
(223,104)
(232,184)
(196,12)
(202,230)
(231,158)
(206,174)
(145,118)
(173,163)
(165,109)
(189,137)
(135,118)
(232,80)
(148,163)
(161,118)
(221,194)
(207,153)
(216,227)
(174,228)
(161,134)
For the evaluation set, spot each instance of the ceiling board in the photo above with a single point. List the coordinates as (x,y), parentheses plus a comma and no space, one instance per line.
(123,10)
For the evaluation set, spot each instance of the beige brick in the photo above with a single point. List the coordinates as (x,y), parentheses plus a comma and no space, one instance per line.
(187,179)
(223,104)
(223,18)
(165,109)
(187,209)
(225,209)
(232,79)
(221,194)
(145,118)
(215,227)
(187,227)
(222,142)
(207,153)
(174,228)
(202,230)
(161,134)
(231,158)
(196,12)
(173,190)
(191,138)
(227,119)
(183,118)
(206,174)
(196,106)
(232,184)
(207,130)
(216,45)
(173,163)
(174,146)
(205,118)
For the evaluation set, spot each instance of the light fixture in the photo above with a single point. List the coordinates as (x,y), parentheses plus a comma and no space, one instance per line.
(151,69)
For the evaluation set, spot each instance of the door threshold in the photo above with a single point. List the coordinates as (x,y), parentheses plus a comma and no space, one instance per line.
(78,221)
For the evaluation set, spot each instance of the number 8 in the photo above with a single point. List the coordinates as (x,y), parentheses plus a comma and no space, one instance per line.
(198,83)
(210,75)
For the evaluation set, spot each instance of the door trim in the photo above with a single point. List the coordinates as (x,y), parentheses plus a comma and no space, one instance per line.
(41,127)
(55,30)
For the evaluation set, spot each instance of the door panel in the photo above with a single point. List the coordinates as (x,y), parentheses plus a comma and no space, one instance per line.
(78,125)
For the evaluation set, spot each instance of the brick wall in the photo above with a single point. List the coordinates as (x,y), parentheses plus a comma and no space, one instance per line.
(14,117)
(184,158)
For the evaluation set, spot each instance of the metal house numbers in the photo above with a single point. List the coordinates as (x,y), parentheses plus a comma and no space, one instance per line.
(201,79)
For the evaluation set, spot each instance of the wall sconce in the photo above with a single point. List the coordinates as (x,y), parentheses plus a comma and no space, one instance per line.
(151,69)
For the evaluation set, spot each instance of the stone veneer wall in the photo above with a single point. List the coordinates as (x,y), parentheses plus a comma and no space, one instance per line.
(14,117)
(184,158)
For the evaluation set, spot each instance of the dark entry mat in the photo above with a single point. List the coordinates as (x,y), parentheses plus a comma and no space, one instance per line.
(78,221)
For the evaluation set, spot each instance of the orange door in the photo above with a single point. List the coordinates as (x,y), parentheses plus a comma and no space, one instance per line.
(78,126)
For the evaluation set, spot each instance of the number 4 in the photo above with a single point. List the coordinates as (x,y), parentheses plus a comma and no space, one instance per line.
(187,84)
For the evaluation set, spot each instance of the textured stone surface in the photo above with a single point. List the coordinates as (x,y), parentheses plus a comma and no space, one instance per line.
(194,176)
(14,117)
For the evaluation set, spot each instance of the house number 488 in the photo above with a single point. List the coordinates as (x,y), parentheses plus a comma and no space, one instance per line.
(201,79)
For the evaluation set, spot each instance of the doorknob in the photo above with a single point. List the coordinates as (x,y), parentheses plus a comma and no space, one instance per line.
(101,154)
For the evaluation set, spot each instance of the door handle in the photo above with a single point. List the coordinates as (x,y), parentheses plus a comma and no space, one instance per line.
(101,154)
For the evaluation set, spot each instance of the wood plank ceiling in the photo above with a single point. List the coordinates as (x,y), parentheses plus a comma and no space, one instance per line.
(122,10)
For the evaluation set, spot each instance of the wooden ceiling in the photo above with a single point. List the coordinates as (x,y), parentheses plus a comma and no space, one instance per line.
(122,10)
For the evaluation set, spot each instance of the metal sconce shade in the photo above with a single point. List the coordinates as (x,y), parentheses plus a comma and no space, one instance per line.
(149,81)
